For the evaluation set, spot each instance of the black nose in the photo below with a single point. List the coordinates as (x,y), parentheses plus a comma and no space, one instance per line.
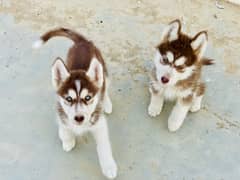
(79,119)
(164,80)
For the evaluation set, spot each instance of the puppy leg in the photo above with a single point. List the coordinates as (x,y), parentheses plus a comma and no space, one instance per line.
(67,137)
(108,165)
(196,105)
(107,103)
(107,100)
(156,103)
(178,115)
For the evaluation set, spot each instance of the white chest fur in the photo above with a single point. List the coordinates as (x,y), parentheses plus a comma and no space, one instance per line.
(170,93)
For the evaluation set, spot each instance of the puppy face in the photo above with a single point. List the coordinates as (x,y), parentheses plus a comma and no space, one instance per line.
(78,92)
(177,54)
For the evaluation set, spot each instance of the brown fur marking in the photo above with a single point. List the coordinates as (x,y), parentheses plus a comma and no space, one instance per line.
(179,47)
(74,36)
(61,113)
(188,99)
(70,83)
(191,81)
(200,89)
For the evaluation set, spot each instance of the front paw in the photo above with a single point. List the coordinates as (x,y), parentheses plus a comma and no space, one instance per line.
(174,124)
(110,169)
(68,145)
(154,110)
(108,108)
(195,107)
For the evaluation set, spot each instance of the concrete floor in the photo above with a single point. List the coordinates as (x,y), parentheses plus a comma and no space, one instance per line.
(206,147)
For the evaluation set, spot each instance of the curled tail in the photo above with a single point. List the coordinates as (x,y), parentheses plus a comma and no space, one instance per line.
(207,61)
(74,36)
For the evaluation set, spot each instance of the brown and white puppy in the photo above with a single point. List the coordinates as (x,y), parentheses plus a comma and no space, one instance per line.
(82,96)
(176,75)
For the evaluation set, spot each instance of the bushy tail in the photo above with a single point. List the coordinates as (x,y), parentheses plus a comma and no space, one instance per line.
(74,36)
(207,61)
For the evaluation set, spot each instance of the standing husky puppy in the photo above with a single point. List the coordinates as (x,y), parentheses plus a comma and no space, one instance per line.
(176,76)
(81,88)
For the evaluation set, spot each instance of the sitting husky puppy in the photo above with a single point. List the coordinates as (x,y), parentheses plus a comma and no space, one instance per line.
(82,96)
(176,75)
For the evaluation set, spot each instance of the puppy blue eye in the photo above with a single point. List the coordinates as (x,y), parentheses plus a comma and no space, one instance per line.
(87,98)
(69,99)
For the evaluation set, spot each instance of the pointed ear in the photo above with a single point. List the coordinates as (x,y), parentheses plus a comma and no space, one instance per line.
(95,72)
(172,31)
(59,72)
(199,43)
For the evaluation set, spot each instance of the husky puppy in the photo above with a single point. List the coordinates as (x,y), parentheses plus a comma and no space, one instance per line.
(176,75)
(82,96)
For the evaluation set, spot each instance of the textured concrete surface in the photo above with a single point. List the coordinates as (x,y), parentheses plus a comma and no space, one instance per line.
(206,147)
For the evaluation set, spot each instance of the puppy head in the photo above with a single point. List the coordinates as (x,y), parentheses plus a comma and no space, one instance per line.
(78,91)
(177,54)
